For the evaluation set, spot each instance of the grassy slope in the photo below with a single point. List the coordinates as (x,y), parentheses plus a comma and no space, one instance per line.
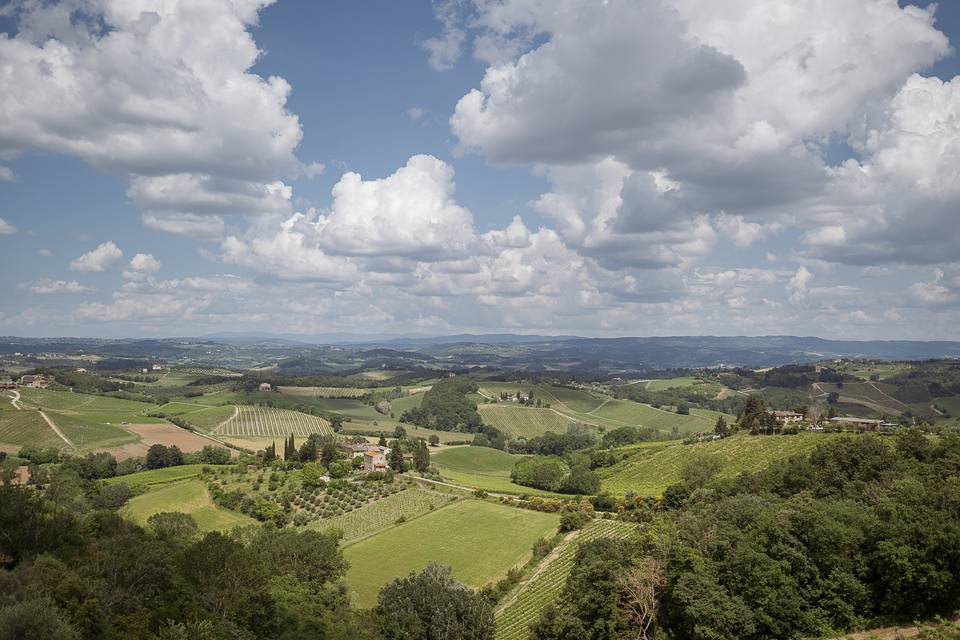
(451,536)
(657,465)
(160,476)
(481,468)
(188,496)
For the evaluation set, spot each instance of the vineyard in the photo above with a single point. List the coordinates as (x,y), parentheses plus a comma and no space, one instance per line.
(267,421)
(209,418)
(381,514)
(523,607)
(25,427)
(479,540)
(651,469)
(523,422)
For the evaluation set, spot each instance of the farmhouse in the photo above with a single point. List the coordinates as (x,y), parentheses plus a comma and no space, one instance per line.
(81,370)
(860,424)
(786,417)
(157,367)
(374,461)
(37,382)
(265,386)
(357,449)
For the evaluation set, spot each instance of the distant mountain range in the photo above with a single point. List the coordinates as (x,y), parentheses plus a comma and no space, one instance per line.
(342,351)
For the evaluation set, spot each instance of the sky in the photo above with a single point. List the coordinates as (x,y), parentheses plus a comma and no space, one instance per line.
(654,167)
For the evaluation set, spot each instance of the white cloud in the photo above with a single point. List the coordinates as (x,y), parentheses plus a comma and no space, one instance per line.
(158,91)
(411,213)
(313,170)
(185,224)
(742,232)
(444,50)
(59,286)
(98,259)
(6,174)
(46,253)
(416,113)
(798,286)
(6,228)
(141,265)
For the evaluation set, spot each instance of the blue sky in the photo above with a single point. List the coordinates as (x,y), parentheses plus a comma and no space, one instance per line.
(520,165)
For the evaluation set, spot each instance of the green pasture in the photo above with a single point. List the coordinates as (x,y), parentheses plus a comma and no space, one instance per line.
(188,496)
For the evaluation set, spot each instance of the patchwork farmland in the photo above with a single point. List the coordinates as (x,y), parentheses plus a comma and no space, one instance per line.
(267,421)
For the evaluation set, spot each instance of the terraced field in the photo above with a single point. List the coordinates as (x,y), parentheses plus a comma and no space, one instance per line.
(523,422)
(267,421)
(523,607)
(655,466)
(452,536)
(383,513)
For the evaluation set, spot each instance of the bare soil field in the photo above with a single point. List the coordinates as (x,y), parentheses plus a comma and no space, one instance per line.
(166,434)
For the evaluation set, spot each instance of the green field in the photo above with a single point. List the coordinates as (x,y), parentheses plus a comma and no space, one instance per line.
(188,496)
(270,422)
(876,396)
(481,541)
(325,392)
(85,403)
(522,607)
(620,413)
(481,468)
(26,427)
(671,383)
(209,418)
(383,513)
(655,466)
(87,431)
(523,422)
(160,476)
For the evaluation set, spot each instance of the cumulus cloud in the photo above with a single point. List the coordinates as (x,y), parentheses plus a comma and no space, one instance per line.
(99,259)
(6,228)
(141,265)
(444,50)
(160,92)
(46,286)
(798,286)
(6,174)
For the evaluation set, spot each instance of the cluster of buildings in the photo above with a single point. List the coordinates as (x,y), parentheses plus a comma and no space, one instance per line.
(374,456)
(32,381)
(785,418)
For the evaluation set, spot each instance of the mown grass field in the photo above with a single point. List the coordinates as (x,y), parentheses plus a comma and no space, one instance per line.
(523,422)
(25,427)
(522,607)
(481,541)
(383,513)
(267,421)
(187,496)
(85,403)
(671,383)
(481,468)
(655,466)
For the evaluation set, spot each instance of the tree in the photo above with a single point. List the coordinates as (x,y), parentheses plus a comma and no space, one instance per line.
(399,432)
(581,481)
(311,475)
(336,423)
(173,525)
(308,450)
(328,453)
(212,454)
(382,442)
(395,459)
(641,586)
(434,439)
(421,457)
(433,605)
(720,428)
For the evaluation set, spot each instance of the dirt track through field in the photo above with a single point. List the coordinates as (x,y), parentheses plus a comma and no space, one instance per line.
(15,400)
(56,430)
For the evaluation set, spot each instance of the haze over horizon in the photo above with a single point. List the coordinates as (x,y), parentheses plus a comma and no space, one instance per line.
(547,167)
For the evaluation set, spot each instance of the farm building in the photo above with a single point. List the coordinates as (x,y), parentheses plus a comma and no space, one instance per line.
(8,384)
(786,417)
(860,424)
(157,367)
(355,450)
(81,370)
(35,381)
(265,386)
(374,461)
